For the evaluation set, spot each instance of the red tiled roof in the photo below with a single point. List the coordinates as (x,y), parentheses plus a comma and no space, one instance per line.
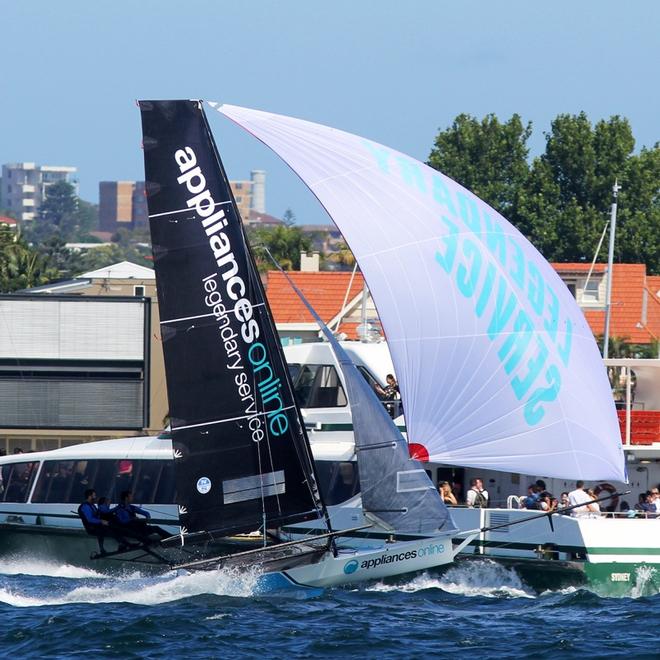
(324,290)
(627,320)
(578,267)
(4,220)
(257,218)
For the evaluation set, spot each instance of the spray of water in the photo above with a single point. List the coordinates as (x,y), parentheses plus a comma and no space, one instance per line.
(644,581)
(141,590)
(476,578)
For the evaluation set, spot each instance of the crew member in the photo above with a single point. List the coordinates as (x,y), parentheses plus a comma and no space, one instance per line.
(127,516)
(95,525)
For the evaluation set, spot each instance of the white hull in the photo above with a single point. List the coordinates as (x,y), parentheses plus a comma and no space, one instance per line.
(363,564)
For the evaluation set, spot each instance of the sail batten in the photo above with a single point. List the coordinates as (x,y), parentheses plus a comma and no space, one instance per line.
(242,456)
(497,366)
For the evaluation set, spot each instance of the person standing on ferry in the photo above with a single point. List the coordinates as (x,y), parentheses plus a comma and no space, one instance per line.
(477,496)
(578,497)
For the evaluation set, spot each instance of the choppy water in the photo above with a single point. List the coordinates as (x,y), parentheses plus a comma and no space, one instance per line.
(478,609)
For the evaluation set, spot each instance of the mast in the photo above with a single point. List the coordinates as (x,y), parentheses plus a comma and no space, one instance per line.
(610,270)
(242,457)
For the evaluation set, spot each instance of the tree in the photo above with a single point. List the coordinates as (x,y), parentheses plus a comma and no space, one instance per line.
(88,218)
(562,201)
(638,217)
(289,218)
(487,157)
(284,243)
(21,266)
(63,214)
(59,211)
(342,257)
(60,257)
(566,200)
(105,255)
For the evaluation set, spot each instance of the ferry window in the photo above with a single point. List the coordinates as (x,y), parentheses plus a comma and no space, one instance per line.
(63,481)
(294,371)
(17,479)
(166,489)
(338,480)
(318,386)
(369,378)
(67,481)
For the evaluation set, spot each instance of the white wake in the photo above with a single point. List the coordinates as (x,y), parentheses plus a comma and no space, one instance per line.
(39,567)
(140,591)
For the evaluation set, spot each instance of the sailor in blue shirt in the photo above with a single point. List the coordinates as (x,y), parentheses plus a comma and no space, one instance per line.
(94,524)
(127,512)
(127,516)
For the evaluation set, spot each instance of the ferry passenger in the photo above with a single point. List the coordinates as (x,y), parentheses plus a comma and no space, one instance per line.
(533,499)
(447,495)
(124,478)
(655,499)
(578,497)
(546,500)
(392,387)
(477,496)
(60,483)
(593,506)
(645,506)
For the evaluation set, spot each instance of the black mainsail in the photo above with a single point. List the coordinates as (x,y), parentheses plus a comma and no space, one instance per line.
(242,454)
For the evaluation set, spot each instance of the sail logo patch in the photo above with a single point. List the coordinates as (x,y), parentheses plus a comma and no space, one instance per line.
(351,566)
(203,485)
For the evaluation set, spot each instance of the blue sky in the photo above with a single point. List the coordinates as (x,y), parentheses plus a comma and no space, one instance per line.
(393,71)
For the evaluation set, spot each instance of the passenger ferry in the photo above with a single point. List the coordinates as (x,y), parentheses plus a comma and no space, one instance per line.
(42,490)
(617,553)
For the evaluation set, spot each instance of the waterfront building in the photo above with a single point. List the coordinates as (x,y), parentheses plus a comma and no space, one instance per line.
(24,187)
(635,301)
(122,204)
(81,360)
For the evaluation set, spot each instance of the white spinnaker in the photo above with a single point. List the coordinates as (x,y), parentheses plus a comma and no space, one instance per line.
(497,366)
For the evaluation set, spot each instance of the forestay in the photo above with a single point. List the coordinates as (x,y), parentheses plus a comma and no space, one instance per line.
(242,457)
(497,366)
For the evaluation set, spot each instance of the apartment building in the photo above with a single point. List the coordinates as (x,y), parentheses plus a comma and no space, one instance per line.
(24,187)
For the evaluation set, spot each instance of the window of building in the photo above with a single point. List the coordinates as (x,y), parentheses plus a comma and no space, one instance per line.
(318,386)
(138,291)
(590,292)
(17,479)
